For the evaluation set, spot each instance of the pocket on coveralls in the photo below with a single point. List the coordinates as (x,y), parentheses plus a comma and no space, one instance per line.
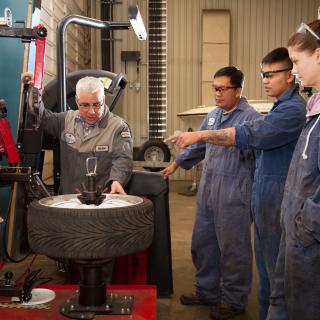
(304,236)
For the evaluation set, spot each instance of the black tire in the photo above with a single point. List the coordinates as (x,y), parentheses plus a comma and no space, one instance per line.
(49,94)
(157,148)
(90,233)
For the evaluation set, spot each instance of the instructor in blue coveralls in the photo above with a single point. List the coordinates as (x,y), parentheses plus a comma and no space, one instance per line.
(221,246)
(274,137)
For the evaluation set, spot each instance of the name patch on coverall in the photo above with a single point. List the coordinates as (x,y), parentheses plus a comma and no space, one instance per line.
(102,148)
(211,121)
(125,134)
(70,138)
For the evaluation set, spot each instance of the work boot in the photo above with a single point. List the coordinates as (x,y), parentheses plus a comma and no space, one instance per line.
(225,311)
(192,299)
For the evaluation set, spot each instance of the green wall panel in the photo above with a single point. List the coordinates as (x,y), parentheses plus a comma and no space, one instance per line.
(11,64)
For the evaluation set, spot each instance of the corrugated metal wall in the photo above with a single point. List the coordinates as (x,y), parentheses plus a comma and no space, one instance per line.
(78,51)
(133,106)
(257,26)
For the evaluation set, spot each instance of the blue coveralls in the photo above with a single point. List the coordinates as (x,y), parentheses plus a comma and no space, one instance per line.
(221,246)
(274,137)
(299,254)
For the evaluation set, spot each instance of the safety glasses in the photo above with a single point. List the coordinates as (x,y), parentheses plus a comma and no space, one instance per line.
(96,105)
(222,89)
(303,28)
(269,74)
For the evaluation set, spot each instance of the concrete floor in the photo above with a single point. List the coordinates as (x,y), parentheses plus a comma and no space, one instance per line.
(182,210)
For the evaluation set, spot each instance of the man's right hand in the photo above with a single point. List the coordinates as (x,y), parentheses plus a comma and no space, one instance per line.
(34,94)
(27,78)
(185,139)
(169,170)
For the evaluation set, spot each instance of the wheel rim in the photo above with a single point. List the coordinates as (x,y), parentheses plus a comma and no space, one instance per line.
(154,154)
(71,201)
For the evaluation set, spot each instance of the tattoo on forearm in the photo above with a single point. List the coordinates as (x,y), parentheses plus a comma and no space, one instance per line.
(223,137)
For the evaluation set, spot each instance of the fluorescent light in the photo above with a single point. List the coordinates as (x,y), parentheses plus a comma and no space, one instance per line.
(137,23)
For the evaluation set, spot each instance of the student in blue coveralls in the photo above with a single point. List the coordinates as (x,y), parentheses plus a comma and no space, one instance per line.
(299,255)
(274,136)
(221,242)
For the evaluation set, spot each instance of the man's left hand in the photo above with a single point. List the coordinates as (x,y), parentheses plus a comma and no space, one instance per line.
(116,187)
(184,139)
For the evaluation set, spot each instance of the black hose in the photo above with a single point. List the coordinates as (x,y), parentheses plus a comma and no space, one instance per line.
(4,236)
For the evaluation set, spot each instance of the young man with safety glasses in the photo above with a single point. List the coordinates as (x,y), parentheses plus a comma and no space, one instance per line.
(274,137)
(221,239)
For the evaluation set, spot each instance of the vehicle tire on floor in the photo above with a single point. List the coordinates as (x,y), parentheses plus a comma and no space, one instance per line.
(155,151)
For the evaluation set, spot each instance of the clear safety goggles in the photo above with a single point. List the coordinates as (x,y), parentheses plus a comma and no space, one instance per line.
(269,74)
(303,28)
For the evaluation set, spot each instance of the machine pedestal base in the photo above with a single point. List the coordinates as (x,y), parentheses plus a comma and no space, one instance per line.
(115,305)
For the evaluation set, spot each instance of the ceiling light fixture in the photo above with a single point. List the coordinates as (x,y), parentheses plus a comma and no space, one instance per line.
(137,22)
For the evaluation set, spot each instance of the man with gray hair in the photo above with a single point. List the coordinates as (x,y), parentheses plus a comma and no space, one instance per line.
(91,131)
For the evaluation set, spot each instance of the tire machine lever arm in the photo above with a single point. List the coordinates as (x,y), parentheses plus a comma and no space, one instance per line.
(29,139)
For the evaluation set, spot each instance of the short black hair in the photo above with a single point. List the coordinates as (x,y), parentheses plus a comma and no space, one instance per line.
(278,55)
(236,76)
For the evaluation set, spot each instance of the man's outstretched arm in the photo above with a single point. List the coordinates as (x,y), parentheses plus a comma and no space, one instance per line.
(222,137)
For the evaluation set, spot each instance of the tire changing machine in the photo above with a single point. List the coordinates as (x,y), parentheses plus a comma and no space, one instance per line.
(150,267)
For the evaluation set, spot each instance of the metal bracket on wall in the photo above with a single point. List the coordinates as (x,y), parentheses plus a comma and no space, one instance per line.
(6,20)
(131,56)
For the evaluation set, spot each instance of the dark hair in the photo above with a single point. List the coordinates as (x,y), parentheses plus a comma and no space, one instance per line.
(278,55)
(236,76)
(306,41)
